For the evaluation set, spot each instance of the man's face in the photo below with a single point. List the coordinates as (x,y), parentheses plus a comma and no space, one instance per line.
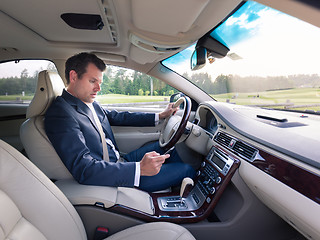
(86,87)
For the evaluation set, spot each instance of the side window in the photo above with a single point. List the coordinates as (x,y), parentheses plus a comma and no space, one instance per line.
(129,88)
(18,79)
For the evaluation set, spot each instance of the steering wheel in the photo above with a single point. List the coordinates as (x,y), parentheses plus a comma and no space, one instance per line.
(174,126)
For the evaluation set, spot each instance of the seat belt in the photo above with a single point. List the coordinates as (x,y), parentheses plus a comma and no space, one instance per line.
(102,135)
(104,143)
(103,138)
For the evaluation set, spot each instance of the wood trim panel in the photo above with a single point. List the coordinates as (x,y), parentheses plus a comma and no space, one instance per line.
(182,125)
(298,178)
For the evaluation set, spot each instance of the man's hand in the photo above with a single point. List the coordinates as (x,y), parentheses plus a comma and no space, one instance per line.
(151,163)
(168,111)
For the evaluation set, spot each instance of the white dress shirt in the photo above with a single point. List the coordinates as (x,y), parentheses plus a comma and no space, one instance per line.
(109,142)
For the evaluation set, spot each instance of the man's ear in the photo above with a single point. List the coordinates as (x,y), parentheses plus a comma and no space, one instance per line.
(73,76)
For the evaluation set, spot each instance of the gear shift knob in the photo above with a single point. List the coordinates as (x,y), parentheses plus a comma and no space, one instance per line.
(186,181)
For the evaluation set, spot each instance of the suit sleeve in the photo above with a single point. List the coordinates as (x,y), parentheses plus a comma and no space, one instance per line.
(136,119)
(67,138)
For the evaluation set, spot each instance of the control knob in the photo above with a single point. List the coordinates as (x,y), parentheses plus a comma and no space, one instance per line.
(212,190)
(218,180)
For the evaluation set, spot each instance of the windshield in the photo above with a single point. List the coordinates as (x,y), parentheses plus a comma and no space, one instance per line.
(272,62)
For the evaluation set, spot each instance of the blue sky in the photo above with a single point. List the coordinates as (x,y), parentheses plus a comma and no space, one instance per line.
(237,27)
(269,42)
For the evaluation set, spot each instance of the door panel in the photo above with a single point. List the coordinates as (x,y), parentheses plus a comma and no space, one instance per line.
(132,138)
(11,118)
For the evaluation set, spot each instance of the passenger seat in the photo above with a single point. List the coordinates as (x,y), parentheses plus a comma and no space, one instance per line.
(32,207)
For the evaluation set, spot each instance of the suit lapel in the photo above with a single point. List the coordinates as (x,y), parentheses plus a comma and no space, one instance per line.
(80,107)
(83,109)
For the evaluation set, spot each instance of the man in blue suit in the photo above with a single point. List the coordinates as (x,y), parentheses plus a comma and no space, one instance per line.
(79,130)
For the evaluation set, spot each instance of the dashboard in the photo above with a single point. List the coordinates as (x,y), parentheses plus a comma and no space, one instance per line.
(277,152)
(237,148)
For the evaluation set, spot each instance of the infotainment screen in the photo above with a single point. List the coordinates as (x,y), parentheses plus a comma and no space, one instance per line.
(218,162)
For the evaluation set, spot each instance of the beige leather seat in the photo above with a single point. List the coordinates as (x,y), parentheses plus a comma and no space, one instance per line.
(32,133)
(32,207)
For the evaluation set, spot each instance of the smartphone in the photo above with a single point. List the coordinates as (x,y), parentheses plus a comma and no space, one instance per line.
(169,151)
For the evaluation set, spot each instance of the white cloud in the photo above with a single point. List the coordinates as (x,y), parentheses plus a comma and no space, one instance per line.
(279,46)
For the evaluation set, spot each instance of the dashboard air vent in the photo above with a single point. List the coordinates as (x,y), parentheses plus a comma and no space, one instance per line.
(235,145)
(244,150)
(223,139)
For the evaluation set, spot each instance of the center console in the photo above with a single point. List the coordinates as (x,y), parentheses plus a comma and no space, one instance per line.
(211,176)
(197,202)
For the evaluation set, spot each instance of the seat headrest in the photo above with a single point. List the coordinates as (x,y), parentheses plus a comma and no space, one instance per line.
(49,86)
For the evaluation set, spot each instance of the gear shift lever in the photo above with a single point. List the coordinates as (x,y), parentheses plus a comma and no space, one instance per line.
(185,183)
(176,203)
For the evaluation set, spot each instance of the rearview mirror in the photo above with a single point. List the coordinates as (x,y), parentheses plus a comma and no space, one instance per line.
(198,58)
(206,44)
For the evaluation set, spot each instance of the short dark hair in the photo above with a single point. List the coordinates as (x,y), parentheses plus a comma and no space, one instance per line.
(79,63)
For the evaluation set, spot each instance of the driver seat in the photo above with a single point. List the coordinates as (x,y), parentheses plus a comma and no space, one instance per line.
(32,207)
(32,133)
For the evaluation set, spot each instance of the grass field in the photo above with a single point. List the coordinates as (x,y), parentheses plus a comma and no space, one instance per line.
(290,97)
(15,97)
(303,97)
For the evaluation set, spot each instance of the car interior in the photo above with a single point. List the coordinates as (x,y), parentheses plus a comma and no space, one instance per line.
(257,168)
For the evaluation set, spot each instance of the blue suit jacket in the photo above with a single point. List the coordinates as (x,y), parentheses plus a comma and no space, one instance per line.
(71,128)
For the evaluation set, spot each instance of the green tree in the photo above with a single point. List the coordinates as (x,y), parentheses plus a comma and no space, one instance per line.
(106,83)
(24,76)
(222,84)
(140,92)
